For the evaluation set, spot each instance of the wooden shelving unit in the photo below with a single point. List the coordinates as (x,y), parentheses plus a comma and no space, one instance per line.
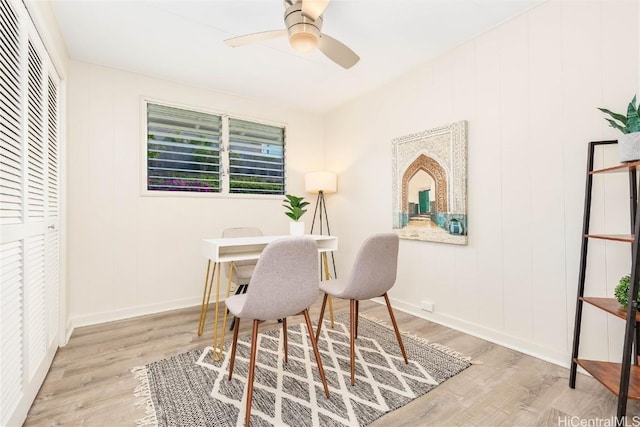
(622,379)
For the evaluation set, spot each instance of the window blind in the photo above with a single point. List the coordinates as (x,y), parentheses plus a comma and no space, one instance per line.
(256,158)
(183,150)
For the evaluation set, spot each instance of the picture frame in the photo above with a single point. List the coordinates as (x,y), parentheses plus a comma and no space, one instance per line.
(429,171)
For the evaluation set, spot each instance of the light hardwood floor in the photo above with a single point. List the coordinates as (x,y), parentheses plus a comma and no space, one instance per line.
(90,382)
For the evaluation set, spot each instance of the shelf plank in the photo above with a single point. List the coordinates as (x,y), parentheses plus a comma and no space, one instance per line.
(625,167)
(610,305)
(617,237)
(608,374)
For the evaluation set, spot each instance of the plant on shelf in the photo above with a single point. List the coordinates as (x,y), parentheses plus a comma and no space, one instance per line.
(622,290)
(629,125)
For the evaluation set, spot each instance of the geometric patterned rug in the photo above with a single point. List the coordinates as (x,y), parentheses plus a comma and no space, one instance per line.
(191,389)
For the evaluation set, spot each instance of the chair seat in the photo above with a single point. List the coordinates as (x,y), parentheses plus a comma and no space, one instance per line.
(235,303)
(340,288)
(270,308)
(335,287)
(243,272)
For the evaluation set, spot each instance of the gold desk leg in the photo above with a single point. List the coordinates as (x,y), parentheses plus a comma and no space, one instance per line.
(326,277)
(206,296)
(217,351)
(215,356)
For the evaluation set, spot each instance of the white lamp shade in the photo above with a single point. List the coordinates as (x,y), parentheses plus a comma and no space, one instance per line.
(315,182)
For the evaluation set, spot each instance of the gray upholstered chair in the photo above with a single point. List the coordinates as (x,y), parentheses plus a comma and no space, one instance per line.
(242,270)
(285,282)
(372,275)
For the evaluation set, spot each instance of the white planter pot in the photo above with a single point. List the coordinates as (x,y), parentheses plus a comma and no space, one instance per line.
(629,147)
(296,228)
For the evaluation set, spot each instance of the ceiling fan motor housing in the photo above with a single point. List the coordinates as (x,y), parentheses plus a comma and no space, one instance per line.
(304,32)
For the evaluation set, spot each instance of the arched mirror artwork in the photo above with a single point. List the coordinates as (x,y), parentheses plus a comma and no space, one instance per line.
(430,185)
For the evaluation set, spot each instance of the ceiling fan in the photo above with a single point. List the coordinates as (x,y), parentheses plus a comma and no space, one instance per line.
(303,19)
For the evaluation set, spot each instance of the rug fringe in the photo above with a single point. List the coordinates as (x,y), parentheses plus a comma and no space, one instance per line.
(143,392)
(425,341)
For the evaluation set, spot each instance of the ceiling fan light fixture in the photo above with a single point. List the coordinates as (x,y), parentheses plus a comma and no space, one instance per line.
(304,42)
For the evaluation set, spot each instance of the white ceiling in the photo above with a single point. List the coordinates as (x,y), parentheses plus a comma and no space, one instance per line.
(182,40)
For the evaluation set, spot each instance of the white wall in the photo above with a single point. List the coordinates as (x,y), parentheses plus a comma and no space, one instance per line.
(129,254)
(529,91)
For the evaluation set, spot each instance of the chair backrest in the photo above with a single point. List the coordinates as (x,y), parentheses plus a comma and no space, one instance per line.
(285,281)
(375,267)
(240,232)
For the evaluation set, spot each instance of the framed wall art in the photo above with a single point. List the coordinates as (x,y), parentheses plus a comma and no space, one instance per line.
(430,185)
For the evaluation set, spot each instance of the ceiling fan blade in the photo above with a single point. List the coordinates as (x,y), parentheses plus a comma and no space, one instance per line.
(314,8)
(255,37)
(337,51)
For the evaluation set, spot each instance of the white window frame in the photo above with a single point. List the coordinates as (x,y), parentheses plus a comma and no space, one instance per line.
(224,156)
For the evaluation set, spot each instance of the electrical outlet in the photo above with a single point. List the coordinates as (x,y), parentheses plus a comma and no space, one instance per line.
(427,306)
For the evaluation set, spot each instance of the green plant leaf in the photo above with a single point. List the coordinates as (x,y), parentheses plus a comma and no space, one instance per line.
(616,116)
(633,121)
(294,206)
(617,126)
(621,291)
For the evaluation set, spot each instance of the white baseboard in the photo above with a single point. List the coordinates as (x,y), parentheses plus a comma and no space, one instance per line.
(68,330)
(127,313)
(544,353)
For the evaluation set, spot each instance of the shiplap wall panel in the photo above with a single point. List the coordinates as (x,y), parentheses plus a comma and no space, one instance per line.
(540,75)
(582,67)
(485,146)
(466,279)
(119,273)
(125,157)
(103,189)
(515,161)
(547,208)
(77,155)
(619,21)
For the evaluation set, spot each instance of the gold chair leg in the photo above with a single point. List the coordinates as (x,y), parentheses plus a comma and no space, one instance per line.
(316,352)
(352,341)
(324,303)
(232,361)
(284,337)
(252,367)
(206,296)
(395,327)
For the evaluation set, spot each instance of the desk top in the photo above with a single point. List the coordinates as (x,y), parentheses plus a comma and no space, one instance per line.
(227,249)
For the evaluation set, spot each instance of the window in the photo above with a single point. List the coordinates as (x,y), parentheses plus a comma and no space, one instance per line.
(256,158)
(183,150)
(191,151)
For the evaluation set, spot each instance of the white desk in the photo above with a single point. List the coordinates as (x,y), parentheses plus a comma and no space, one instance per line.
(247,248)
(233,249)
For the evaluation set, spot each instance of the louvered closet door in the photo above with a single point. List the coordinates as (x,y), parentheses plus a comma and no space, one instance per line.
(29,213)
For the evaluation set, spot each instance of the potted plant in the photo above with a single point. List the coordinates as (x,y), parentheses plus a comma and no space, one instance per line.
(629,125)
(622,290)
(295,208)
